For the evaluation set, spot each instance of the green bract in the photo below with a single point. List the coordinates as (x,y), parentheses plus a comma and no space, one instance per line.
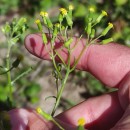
(68,42)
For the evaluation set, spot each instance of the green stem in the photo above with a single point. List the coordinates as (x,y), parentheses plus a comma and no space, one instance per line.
(92,41)
(77,41)
(69,54)
(57,85)
(56,123)
(49,118)
(62,61)
(80,128)
(54,63)
(53,59)
(84,48)
(60,92)
(21,75)
(78,58)
(8,73)
(61,30)
(66,33)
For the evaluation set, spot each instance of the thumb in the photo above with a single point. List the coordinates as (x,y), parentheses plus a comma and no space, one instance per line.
(124,122)
(124,98)
(23,119)
(124,91)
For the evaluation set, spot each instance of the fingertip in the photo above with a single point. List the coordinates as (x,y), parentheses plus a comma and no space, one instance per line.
(27,119)
(34,44)
(19,119)
(32,41)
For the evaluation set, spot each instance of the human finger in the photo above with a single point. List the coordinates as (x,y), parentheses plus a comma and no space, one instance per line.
(100,113)
(25,119)
(109,63)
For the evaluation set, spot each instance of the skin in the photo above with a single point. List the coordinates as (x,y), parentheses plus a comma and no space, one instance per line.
(110,64)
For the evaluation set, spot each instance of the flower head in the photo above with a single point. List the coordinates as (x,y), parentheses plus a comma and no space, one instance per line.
(104,13)
(81,122)
(39,110)
(57,25)
(63,11)
(44,14)
(44,114)
(37,21)
(91,9)
(106,30)
(39,25)
(99,18)
(71,7)
(110,25)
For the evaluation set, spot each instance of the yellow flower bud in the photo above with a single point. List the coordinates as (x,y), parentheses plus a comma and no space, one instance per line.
(110,25)
(91,9)
(44,114)
(57,25)
(37,21)
(71,7)
(104,13)
(105,31)
(99,18)
(46,19)
(44,14)
(39,110)
(63,11)
(81,122)
(39,25)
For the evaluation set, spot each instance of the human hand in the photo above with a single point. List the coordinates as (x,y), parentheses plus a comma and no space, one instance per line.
(109,63)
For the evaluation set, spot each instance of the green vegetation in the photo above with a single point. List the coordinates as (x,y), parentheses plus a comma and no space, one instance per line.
(18,78)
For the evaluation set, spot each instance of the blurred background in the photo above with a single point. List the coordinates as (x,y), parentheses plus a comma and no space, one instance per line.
(33,89)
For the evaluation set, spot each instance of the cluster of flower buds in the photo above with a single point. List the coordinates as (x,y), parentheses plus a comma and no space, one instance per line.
(91,22)
(66,15)
(46,19)
(15,29)
(57,27)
